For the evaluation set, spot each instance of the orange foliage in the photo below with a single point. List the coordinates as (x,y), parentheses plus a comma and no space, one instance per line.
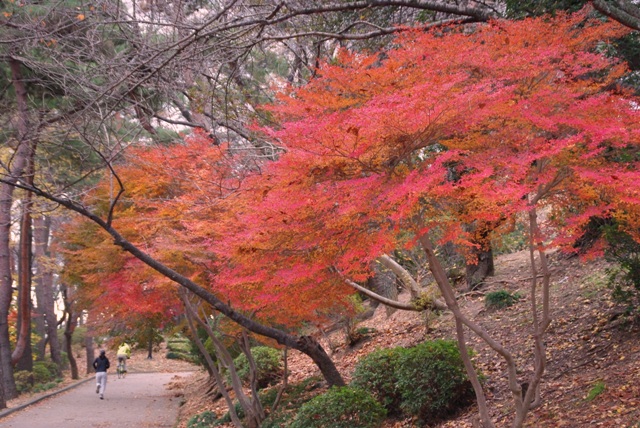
(452,126)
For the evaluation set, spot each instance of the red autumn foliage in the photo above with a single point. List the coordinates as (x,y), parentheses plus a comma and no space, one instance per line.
(451,127)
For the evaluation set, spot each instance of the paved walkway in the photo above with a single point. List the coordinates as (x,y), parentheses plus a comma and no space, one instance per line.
(139,400)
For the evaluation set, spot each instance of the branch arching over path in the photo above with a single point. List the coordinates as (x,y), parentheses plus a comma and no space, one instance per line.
(305,344)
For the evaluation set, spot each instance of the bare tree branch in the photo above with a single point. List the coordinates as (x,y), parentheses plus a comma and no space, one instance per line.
(622,11)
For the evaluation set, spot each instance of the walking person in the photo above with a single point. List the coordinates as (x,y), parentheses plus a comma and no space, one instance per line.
(101,364)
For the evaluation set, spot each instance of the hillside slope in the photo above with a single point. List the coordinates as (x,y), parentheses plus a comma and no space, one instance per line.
(589,347)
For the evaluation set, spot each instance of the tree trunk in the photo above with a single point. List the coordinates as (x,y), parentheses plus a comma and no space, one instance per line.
(69,328)
(541,316)
(38,311)
(257,411)
(68,336)
(20,156)
(39,323)
(150,346)
(89,352)
(285,380)
(477,272)
(481,264)
(625,12)
(251,419)
(44,286)
(22,355)
(7,384)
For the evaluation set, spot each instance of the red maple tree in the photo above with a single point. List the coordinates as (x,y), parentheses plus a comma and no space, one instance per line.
(451,127)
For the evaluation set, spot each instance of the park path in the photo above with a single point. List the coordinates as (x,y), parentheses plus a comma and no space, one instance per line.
(140,400)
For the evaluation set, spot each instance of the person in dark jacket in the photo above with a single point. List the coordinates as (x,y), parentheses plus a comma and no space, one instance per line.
(101,364)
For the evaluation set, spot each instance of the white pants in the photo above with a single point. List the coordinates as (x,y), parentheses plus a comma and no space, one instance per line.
(101,382)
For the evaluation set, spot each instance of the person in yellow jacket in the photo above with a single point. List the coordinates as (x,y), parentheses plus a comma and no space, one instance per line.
(124,352)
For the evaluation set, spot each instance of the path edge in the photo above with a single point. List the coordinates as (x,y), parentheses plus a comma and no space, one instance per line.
(8,411)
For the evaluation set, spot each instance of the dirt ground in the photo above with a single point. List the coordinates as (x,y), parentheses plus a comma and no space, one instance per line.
(588,344)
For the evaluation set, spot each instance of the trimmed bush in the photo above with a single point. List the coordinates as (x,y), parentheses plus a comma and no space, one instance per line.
(344,407)
(432,380)
(181,346)
(268,362)
(376,373)
(44,386)
(24,381)
(500,299)
(428,381)
(44,371)
(172,356)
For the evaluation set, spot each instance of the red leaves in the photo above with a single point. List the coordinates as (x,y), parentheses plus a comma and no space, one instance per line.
(451,128)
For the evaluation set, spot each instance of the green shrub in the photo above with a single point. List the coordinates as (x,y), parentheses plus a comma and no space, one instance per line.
(44,371)
(51,366)
(428,380)
(500,299)
(44,386)
(65,361)
(376,373)
(205,419)
(432,380)
(77,339)
(268,362)
(23,380)
(173,356)
(343,407)
(181,345)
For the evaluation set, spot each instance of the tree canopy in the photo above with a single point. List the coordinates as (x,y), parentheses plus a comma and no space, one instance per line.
(274,200)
